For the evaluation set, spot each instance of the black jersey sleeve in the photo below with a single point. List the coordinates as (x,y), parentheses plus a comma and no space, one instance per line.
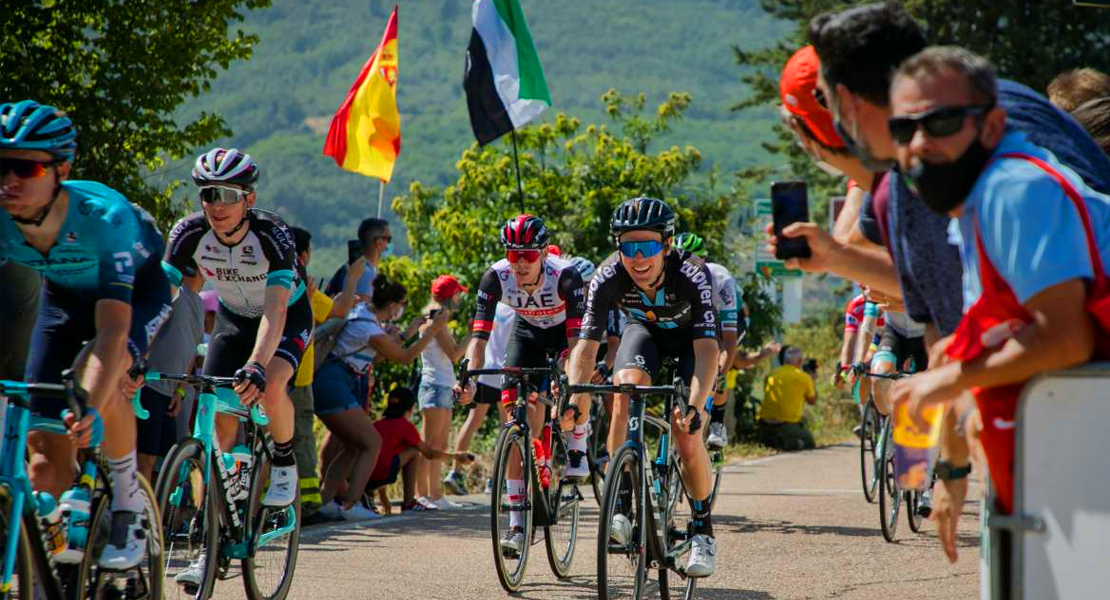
(602,296)
(573,293)
(489,294)
(695,285)
(181,247)
(278,248)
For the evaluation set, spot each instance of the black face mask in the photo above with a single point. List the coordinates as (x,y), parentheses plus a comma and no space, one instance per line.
(944,186)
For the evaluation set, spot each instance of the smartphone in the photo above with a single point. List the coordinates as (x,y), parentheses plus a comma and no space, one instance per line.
(789,204)
(354,250)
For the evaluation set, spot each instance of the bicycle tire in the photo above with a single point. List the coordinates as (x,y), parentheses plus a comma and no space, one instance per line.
(182,477)
(624,471)
(566,508)
(687,589)
(23,576)
(261,519)
(869,434)
(913,499)
(598,447)
(510,437)
(890,497)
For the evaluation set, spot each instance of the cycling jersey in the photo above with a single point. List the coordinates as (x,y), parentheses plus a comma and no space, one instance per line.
(242,272)
(558,299)
(853,314)
(725,296)
(684,301)
(104,241)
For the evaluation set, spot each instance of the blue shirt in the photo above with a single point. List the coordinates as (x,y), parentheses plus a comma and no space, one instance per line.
(1030,229)
(104,241)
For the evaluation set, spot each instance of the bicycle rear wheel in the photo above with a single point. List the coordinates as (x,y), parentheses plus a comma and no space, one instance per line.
(622,545)
(190,521)
(913,501)
(512,453)
(890,497)
(868,440)
(143,582)
(562,537)
(275,537)
(23,576)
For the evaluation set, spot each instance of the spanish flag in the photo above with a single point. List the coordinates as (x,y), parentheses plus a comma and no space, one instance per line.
(365,133)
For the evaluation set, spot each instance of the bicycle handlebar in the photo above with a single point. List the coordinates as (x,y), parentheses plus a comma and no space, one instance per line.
(256,413)
(626,388)
(68,390)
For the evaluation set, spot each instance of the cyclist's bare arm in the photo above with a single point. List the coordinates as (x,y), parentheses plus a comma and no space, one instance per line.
(705,372)
(580,369)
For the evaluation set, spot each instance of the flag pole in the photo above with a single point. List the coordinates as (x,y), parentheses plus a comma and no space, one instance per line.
(516,161)
(381,196)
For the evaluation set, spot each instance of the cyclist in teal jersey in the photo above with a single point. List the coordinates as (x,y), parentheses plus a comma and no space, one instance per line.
(98,254)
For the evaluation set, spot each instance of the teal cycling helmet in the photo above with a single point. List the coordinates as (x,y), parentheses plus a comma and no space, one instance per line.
(691,242)
(28,125)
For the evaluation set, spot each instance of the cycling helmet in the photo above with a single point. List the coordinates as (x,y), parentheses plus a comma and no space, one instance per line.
(28,125)
(643,213)
(525,232)
(221,165)
(584,267)
(691,242)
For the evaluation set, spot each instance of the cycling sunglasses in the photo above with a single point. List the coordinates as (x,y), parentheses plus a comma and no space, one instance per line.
(529,256)
(939,122)
(24,168)
(226,196)
(646,248)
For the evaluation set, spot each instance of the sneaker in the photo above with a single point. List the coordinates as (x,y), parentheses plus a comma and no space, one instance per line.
(718,436)
(446,504)
(331,511)
(427,503)
(283,487)
(620,530)
(703,556)
(319,518)
(925,503)
(359,512)
(512,543)
(489,487)
(578,466)
(414,506)
(454,483)
(126,543)
(194,574)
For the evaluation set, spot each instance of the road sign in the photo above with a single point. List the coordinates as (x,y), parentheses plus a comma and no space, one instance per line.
(765,262)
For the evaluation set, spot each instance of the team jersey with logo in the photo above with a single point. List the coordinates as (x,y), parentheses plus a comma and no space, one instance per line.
(559,298)
(853,314)
(683,302)
(241,273)
(104,241)
(725,296)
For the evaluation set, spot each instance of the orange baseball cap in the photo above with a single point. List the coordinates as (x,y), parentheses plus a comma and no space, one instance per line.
(799,79)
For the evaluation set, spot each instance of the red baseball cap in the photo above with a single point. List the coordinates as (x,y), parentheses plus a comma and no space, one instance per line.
(799,79)
(554,250)
(446,286)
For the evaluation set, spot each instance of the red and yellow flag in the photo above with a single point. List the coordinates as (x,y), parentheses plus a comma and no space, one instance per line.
(365,133)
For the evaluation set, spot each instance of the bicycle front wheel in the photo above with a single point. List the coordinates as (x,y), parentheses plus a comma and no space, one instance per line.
(275,537)
(913,504)
(511,544)
(868,451)
(622,531)
(562,536)
(146,579)
(890,497)
(190,524)
(23,576)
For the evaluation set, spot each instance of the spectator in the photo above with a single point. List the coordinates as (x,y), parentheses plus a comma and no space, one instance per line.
(211,301)
(1094,116)
(436,392)
(340,394)
(401,449)
(376,240)
(19,302)
(1075,87)
(785,391)
(323,308)
(173,351)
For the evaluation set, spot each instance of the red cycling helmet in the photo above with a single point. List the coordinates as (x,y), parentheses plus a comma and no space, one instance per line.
(525,232)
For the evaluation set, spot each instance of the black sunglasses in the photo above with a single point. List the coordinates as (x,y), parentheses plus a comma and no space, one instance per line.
(26,168)
(938,122)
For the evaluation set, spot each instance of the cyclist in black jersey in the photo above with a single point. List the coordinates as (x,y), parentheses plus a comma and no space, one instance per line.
(667,295)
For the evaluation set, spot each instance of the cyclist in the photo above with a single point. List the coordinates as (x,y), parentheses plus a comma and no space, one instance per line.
(667,295)
(727,301)
(99,256)
(548,296)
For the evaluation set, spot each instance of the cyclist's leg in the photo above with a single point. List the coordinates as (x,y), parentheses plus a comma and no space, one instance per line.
(521,343)
(231,343)
(637,358)
(886,360)
(697,475)
(279,406)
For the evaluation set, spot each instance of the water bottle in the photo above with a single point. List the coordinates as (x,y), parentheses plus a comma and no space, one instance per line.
(50,523)
(75,513)
(235,491)
(243,462)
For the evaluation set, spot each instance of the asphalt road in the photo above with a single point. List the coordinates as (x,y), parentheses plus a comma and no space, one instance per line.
(787,526)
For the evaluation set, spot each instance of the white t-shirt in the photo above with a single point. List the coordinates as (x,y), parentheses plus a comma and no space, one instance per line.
(353,346)
(436,367)
(503,321)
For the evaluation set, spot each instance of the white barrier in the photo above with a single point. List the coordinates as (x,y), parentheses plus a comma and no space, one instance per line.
(1061,520)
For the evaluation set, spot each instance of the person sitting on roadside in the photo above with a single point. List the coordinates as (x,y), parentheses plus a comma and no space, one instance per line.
(785,391)
(402,448)
(339,393)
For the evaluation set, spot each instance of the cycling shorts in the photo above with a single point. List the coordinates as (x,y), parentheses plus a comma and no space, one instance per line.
(903,348)
(644,349)
(528,347)
(234,336)
(67,320)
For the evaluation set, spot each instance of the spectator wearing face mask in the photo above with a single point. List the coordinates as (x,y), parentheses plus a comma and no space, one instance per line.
(376,240)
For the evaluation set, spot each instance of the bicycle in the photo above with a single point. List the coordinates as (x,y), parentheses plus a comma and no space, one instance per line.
(205,512)
(647,497)
(870,429)
(25,556)
(554,506)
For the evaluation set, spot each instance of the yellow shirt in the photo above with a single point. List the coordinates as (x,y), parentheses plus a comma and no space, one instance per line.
(321,308)
(784,394)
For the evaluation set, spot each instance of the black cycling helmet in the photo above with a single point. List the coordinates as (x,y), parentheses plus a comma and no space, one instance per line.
(525,232)
(643,213)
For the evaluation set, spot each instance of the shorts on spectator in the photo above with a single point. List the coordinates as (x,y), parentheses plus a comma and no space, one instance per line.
(337,388)
(394,470)
(435,396)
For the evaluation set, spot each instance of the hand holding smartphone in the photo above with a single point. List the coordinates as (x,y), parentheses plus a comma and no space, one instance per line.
(789,204)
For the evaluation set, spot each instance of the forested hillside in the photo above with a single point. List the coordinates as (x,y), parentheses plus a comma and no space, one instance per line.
(279,103)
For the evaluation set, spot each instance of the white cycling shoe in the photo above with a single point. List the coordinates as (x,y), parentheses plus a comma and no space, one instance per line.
(513,542)
(620,530)
(194,573)
(703,556)
(283,487)
(718,436)
(126,545)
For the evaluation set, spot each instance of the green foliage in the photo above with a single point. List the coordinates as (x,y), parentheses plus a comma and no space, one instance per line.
(121,69)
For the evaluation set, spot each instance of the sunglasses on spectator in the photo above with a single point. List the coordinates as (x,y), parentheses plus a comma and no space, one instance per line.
(25,168)
(938,122)
(646,248)
(225,196)
(529,256)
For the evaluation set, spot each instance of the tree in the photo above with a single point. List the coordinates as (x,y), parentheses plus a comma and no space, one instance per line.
(121,69)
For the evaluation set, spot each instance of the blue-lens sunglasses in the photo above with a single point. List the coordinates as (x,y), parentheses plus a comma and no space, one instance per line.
(646,248)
